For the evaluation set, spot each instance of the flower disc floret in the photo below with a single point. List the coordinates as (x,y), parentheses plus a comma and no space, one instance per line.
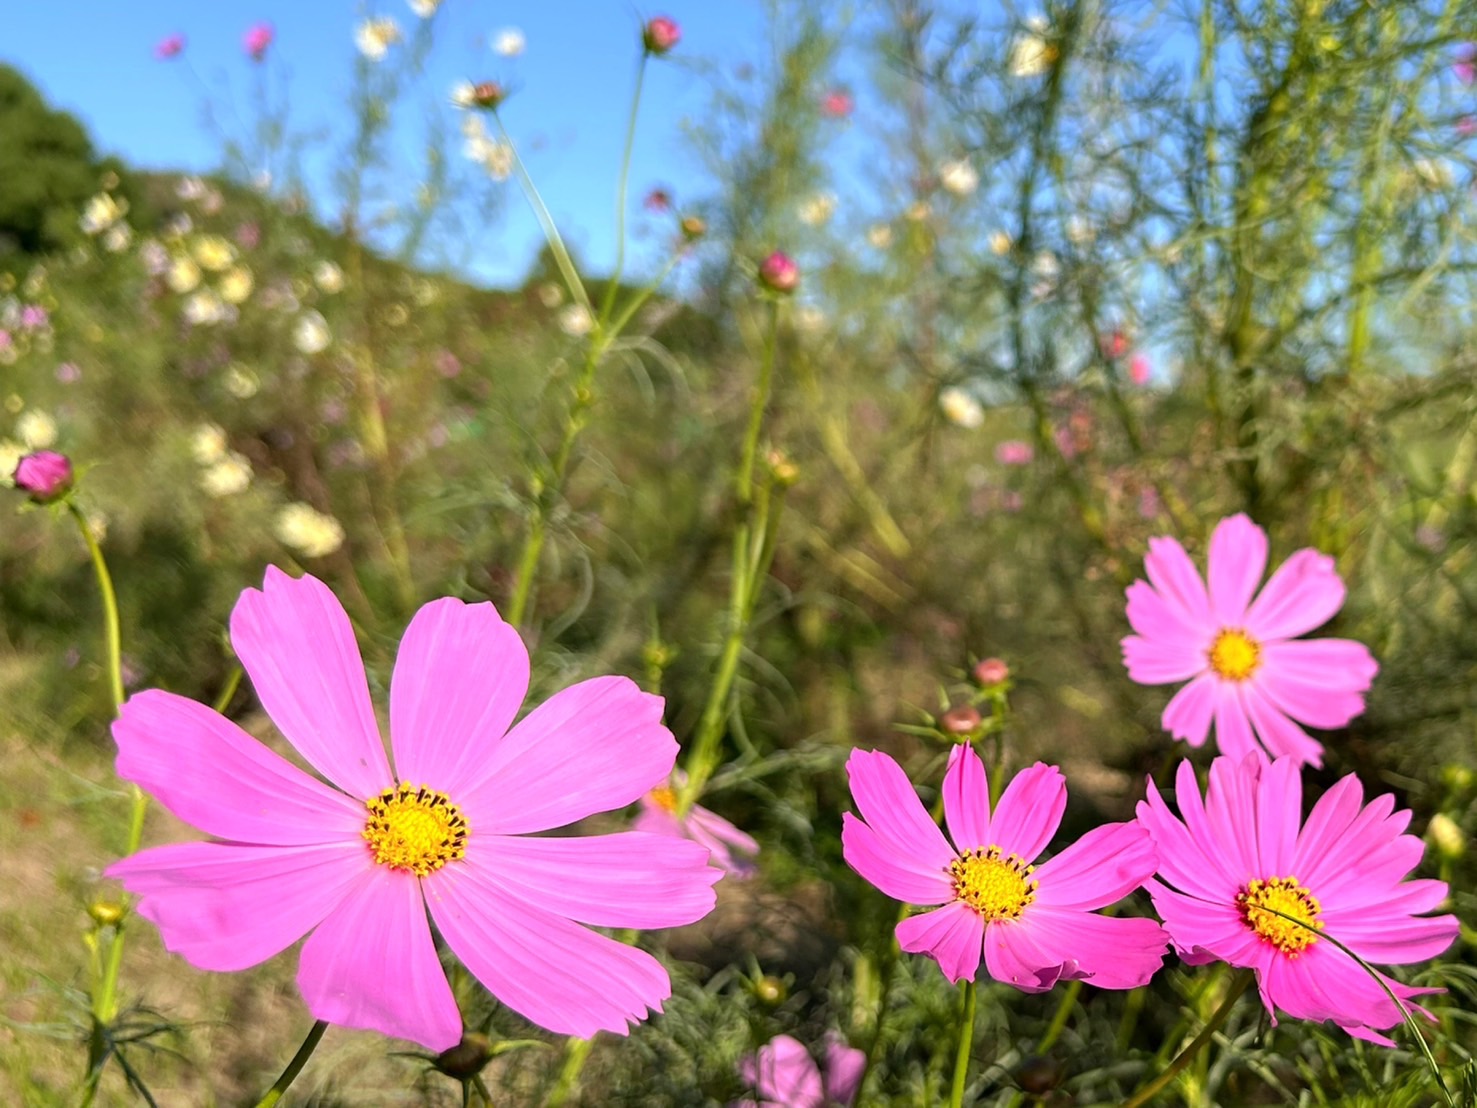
(1267,905)
(1235,655)
(415,829)
(995,886)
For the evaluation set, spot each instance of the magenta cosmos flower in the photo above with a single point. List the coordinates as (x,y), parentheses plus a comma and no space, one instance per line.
(1225,861)
(256,40)
(1248,671)
(783,1074)
(1034,924)
(730,849)
(355,863)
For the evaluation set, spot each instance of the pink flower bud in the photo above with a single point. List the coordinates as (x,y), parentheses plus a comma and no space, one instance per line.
(257,39)
(488,95)
(991,671)
(962,719)
(779,273)
(658,200)
(1138,369)
(837,104)
(46,475)
(170,47)
(660,35)
(1114,344)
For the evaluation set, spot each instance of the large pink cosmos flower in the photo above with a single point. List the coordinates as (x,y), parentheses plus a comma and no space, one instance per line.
(1035,924)
(359,860)
(1246,671)
(732,850)
(783,1073)
(1242,851)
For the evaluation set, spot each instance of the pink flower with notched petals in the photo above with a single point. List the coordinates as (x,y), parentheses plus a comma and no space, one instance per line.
(1248,671)
(783,1074)
(731,849)
(1227,865)
(356,861)
(1035,925)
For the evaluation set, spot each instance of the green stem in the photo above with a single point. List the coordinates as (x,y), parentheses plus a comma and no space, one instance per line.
(546,224)
(1185,1057)
(574,1061)
(228,690)
(620,196)
(294,1067)
(110,604)
(1059,1018)
(966,1045)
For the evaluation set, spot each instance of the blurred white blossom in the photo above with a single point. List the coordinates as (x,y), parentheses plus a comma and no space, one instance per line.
(36,429)
(509,42)
(374,37)
(311,334)
(879,235)
(1030,54)
(226,477)
(208,443)
(961,408)
(102,212)
(817,209)
(328,277)
(959,177)
(309,531)
(576,320)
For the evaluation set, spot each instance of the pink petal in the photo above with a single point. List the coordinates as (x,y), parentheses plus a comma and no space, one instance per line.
(216,777)
(1178,583)
(967,800)
(1015,957)
(1029,812)
(1233,733)
(952,935)
(1185,860)
(1302,594)
(226,906)
(558,974)
(885,799)
(1327,823)
(708,827)
(898,874)
(1189,712)
(1110,953)
(1237,560)
(298,648)
(628,879)
(1323,983)
(372,964)
(656,820)
(1161,662)
(1230,811)
(845,1068)
(1392,940)
(783,1071)
(1280,735)
(1103,866)
(460,678)
(1198,928)
(1318,682)
(1161,621)
(592,747)
(1278,815)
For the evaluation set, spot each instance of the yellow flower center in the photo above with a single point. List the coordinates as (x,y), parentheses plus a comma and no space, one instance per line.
(996,887)
(664,797)
(1235,655)
(1260,899)
(416,829)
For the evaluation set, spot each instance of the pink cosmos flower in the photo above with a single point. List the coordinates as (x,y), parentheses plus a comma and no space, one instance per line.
(660,35)
(1465,66)
(1034,924)
(779,273)
(1014,453)
(658,816)
(837,104)
(783,1073)
(1139,369)
(45,474)
(355,861)
(1224,862)
(1247,670)
(171,46)
(257,39)
(658,200)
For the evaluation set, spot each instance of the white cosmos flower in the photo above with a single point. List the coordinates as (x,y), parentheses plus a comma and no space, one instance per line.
(311,334)
(374,37)
(424,8)
(818,209)
(309,531)
(959,177)
(576,320)
(226,477)
(509,42)
(961,408)
(328,277)
(208,443)
(36,429)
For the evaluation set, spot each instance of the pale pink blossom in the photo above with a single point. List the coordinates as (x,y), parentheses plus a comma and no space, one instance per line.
(784,1075)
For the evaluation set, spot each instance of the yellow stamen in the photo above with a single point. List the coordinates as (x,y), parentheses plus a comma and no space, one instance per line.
(1235,655)
(1286,895)
(415,829)
(664,797)
(996,887)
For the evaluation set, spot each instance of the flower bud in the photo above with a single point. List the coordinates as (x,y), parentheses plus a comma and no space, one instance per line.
(106,913)
(1445,835)
(467,1059)
(660,35)
(960,720)
(693,227)
(991,671)
(779,273)
(770,989)
(45,474)
(784,471)
(488,95)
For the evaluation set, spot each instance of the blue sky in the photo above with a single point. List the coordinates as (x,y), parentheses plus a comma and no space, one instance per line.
(572,87)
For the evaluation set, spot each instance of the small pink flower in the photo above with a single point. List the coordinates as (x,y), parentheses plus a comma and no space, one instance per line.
(1242,850)
(660,35)
(1033,925)
(34,317)
(257,39)
(837,104)
(1247,670)
(45,474)
(248,235)
(355,861)
(171,46)
(784,1075)
(68,373)
(1465,66)
(991,671)
(658,200)
(1114,344)
(448,364)
(1467,126)
(1014,453)
(779,273)
(658,816)
(1138,369)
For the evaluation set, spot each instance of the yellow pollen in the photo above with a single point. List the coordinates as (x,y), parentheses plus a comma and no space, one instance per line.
(1286,895)
(1235,655)
(416,829)
(664,797)
(996,887)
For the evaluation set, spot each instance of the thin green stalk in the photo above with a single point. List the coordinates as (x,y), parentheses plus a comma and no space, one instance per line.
(1059,1018)
(111,627)
(966,1046)
(546,224)
(294,1067)
(228,690)
(1148,1092)
(574,1061)
(620,195)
